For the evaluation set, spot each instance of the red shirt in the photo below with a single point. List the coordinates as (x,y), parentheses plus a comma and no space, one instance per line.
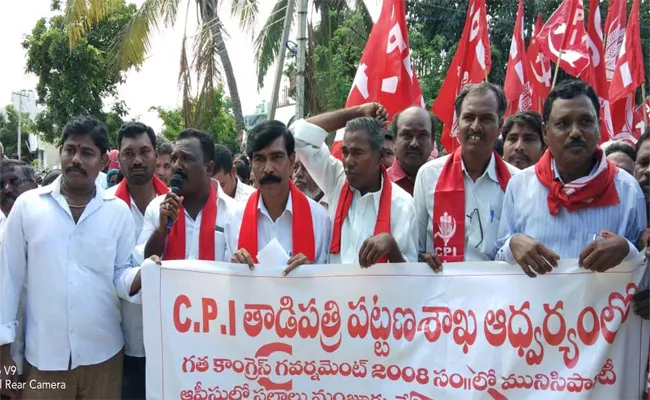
(400,177)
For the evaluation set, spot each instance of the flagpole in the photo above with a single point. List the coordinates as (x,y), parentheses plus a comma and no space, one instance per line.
(557,66)
(643,100)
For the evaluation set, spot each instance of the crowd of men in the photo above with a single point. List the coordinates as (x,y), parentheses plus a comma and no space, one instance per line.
(71,314)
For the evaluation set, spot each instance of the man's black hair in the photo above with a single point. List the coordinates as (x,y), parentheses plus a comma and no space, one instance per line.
(265,133)
(12,165)
(133,130)
(502,102)
(163,146)
(570,89)
(207,144)
(87,125)
(222,159)
(530,119)
(621,147)
(51,177)
(393,124)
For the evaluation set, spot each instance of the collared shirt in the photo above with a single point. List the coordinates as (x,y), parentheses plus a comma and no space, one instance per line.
(74,275)
(399,176)
(101,180)
(131,312)
(485,196)
(243,191)
(17,349)
(282,228)
(229,216)
(526,211)
(328,173)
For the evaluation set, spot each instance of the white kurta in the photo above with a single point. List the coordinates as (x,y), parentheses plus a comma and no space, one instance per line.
(328,173)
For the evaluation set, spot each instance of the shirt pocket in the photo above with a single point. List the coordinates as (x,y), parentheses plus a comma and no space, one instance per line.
(96,253)
(219,246)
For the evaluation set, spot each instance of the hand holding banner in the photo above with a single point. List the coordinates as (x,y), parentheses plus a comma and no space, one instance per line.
(394,331)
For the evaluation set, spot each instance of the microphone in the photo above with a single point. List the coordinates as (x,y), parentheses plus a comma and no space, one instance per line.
(176,185)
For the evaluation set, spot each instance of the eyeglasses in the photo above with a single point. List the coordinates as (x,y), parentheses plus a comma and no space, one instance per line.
(15,182)
(480,225)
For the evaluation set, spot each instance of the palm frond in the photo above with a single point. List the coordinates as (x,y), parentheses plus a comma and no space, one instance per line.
(134,40)
(267,44)
(81,15)
(247,11)
(206,63)
(185,84)
(361,7)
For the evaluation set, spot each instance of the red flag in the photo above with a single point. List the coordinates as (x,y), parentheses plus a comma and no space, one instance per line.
(621,114)
(517,86)
(614,33)
(539,69)
(385,74)
(595,74)
(628,74)
(471,64)
(564,33)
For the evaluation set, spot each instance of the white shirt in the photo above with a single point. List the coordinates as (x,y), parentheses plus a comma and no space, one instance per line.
(131,312)
(243,191)
(74,275)
(484,195)
(229,216)
(18,346)
(282,228)
(101,180)
(328,173)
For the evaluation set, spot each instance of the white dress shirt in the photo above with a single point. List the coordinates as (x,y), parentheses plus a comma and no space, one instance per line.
(101,180)
(131,312)
(484,195)
(74,275)
(328,173)
(229,216)
(282,228)
(18,346)
(243,191)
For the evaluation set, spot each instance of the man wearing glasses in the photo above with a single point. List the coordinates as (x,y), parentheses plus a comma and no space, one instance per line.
(16,177)
(458,198)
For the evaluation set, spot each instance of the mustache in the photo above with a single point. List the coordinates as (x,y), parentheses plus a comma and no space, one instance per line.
(520,156)
(270,178)
(76,169)
(142,169)
(575,143)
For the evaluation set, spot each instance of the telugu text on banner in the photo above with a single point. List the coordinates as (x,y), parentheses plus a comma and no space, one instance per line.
(394,331)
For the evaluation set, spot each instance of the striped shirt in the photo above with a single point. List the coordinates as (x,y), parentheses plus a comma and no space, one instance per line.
(525,210)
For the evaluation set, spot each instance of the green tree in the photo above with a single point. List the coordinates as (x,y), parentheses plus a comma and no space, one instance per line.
(132,45)
(217,120)
(9,132)
(74,83)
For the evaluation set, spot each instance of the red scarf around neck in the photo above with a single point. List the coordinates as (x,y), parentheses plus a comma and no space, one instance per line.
(122,191)
(449,206)
(383,216)
(302,225)
(597,190)
(176,241)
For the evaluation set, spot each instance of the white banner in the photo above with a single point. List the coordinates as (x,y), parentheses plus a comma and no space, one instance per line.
(480,330)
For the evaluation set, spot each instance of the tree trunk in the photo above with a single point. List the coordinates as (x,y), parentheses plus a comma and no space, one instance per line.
(230,73)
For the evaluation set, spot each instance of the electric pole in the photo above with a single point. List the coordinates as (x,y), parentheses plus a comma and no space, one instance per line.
(278,73)
(302,56)
(20,95)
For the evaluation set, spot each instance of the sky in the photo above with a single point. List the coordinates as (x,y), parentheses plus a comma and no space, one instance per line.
(155,84)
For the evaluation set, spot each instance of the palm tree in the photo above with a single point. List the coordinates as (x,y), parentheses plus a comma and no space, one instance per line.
(268,42)
(133,44)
